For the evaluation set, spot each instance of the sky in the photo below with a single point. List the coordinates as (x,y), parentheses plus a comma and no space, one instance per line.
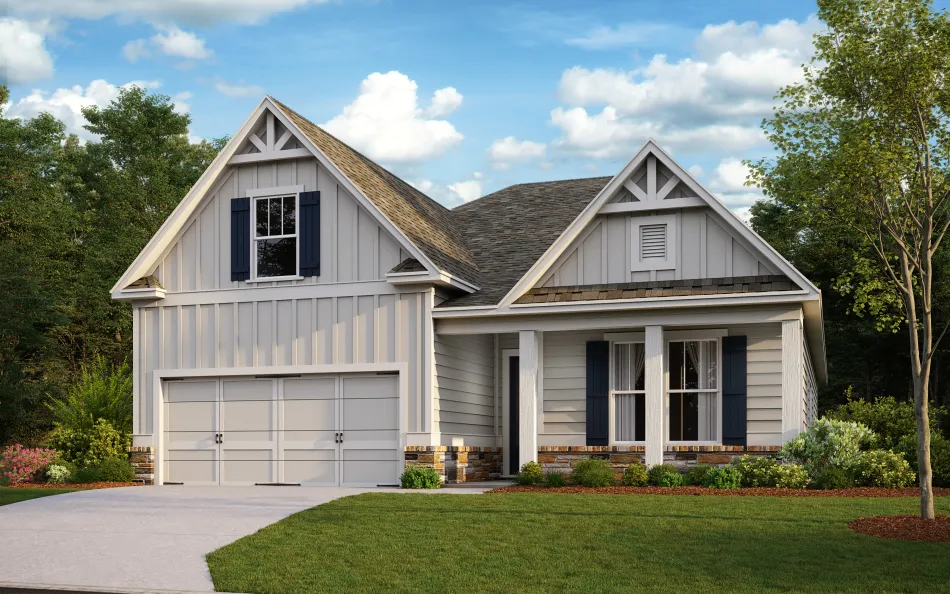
(459,99)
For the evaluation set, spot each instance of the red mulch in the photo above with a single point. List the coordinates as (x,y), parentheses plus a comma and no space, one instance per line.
(756,491)
(72,485)
(905,528)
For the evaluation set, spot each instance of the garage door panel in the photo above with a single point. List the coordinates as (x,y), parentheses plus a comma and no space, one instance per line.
(243,472)
(308,415)
(191,391)
(310,472)
(248,415)
(369,472)
(370,414)
(190,455)
(191,472)
(369,386)
(369,454)
(190,416)
(236,390)
(322,388)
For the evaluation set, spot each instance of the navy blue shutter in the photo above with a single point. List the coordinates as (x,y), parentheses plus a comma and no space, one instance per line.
(310,234)
(598,379)
(240,239)
(734,390)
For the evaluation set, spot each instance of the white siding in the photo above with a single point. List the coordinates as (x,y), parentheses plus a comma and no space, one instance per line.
(464,386)
(353,246)
(565,388)
(764,383)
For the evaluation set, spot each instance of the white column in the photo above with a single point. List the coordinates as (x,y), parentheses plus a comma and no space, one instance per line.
(529,363)
(655,385)
(793,384)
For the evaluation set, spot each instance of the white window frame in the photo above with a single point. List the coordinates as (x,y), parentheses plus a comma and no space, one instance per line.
(687,337)
(611,392)
(636,222)
(265,193)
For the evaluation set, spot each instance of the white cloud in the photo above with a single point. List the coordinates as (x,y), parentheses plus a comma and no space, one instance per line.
(135,50)
(444,102)
(622,35)
(728,184)
(385,122)
(452,194)
(172,41)
(180,101)
(23,54)
(712,100)
(509,149)
(237,89)
(66,104)
(467,190)
(201,12)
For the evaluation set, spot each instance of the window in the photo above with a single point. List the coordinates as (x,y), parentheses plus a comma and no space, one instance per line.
(275,236)
(693,396)
(628,391)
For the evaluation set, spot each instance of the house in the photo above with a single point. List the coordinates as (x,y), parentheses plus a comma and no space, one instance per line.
(306,317)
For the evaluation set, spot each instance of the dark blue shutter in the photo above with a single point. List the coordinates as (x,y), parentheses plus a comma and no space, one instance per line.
(310,234)
(734,390)
(240,239)
(598,378)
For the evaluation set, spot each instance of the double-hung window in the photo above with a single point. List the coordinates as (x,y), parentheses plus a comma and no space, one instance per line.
(628,392)
(693,397)
(275,236)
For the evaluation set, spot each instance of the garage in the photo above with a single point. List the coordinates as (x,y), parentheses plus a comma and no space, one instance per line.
(311,430)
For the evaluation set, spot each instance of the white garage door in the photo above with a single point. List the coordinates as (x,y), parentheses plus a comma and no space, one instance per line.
(311,430)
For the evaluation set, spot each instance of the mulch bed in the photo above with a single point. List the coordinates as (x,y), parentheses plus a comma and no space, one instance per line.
(753,492)
(72,485)
(905,528)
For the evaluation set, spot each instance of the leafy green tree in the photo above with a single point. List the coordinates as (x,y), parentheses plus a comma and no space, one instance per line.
(863,148)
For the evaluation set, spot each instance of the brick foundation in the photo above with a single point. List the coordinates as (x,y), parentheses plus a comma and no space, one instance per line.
(143,463)
(563,458)
(458,464)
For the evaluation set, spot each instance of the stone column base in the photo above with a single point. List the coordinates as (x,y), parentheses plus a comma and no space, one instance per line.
(458,464)
(142,459)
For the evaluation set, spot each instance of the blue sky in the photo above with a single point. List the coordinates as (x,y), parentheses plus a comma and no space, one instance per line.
(460,99)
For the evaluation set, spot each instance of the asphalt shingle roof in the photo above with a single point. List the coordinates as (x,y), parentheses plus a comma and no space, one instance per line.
(670,288)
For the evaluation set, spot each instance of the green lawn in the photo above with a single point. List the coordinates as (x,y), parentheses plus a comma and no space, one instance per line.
(396,542)
(10,495)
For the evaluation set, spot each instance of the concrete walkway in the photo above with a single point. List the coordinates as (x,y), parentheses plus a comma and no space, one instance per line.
(144,538)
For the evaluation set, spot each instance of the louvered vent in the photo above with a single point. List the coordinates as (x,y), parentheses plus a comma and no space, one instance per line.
(653,242)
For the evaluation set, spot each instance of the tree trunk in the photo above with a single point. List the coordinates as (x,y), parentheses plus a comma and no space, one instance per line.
(921,390)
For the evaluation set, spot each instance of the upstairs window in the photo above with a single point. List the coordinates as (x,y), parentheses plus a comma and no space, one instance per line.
(275,236)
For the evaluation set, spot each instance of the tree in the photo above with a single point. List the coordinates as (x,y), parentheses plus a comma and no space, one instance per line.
(862,147)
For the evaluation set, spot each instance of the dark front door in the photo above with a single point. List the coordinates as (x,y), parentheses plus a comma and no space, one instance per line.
(514,464)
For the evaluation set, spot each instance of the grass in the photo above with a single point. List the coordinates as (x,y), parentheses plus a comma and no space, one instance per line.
(393,542)
(10,495)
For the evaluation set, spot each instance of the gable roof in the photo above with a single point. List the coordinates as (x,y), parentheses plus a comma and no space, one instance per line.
(508,231)
(425,222)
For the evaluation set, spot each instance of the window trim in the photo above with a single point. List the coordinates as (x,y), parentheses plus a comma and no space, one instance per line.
(687,337)
(611,392)
(264,194)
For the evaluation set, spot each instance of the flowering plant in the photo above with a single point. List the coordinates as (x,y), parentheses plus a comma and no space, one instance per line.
(21,465)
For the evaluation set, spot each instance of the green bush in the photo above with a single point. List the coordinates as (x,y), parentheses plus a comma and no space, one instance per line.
(697,474)
(531,474)
(60,472)
(420,477)
(723,477)
(791,476)
(103,391)
(829,443)
(884,468)
(890,419)
(758,471)
(834,477)
(665,475)
(553,478)
(635,475)
(89,474)
(593,472)
(116,470)
(92,447)
(939,456)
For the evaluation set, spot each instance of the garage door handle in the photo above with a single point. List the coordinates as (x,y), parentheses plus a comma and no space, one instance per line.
(341,437)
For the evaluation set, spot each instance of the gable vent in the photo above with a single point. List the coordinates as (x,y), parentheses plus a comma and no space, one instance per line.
(653,242)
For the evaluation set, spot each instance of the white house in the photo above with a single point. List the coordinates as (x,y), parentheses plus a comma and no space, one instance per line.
(305,316)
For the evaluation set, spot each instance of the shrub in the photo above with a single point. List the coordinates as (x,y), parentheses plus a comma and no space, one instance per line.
(829,443)
(723,477)
(697,474)
(758,471)
(420,477)
(594,472)
(23,465)
(90,448)
(553,478)
(884,468)
(89,474)
(939,456)
(103,391)
(116,470)
(58,474)
(665,475)
(531,474)
(890,419)
(791,476)
(834,477)
(635,475)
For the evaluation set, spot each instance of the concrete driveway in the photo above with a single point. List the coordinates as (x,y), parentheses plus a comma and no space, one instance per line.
(139,538)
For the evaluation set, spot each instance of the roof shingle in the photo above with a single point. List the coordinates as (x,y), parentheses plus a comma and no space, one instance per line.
(671,288)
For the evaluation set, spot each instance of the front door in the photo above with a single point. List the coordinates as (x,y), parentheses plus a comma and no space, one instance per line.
(514,463)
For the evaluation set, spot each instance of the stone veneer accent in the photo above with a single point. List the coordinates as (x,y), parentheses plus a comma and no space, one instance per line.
(563,458)
(142,459)
(458,464)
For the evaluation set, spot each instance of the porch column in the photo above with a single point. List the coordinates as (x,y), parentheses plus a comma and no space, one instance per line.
(654,386)
(793,383)
(529,393)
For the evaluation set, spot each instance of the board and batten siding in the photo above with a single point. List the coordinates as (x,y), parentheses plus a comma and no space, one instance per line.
(371,328)
(353,246)
(706,249)
(464,387)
